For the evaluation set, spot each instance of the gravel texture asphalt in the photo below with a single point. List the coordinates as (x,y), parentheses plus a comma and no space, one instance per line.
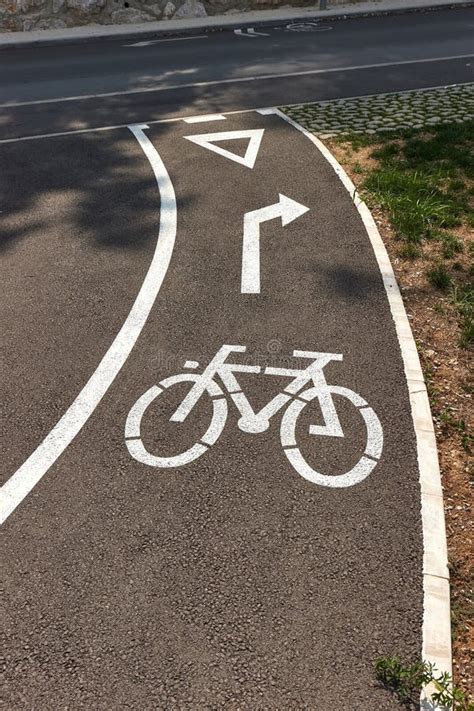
(230,582)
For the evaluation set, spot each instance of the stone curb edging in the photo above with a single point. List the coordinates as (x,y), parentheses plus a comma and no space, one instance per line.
(262,18)
(436,632)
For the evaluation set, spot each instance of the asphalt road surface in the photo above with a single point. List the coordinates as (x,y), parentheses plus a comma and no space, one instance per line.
(209,470)
(226,71)
(270,570)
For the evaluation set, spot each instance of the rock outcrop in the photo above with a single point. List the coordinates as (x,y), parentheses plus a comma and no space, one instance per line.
(24,15)
(21,15)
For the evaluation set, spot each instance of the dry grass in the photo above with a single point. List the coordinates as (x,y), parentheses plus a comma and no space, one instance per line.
(431,252)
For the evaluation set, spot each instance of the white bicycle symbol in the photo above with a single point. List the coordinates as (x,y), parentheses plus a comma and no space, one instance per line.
(307,27)
(295,397)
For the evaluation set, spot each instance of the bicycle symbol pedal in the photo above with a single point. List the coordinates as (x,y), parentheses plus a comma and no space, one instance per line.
(218,381)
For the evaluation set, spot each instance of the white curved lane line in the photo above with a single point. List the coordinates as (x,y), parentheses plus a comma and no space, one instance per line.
(29,474)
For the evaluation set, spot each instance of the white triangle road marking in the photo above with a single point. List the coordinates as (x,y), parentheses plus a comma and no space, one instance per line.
(207,140)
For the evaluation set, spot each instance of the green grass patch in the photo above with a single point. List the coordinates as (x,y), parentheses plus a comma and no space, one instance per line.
(422,179)
(414,203)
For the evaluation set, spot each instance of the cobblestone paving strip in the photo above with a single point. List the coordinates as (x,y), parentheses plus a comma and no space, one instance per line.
(386,112)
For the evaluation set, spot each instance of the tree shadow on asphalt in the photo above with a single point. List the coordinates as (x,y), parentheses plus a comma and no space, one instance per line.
(94,170)
(90,182)
(352,284)
(97,187)
(95,184)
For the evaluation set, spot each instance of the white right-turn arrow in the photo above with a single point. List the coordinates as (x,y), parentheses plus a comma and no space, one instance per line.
(288,210)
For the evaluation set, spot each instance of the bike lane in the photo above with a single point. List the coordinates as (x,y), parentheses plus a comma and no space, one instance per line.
(231,581)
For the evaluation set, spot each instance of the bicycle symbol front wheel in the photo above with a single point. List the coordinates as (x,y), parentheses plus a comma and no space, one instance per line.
(366,463)
(133,437)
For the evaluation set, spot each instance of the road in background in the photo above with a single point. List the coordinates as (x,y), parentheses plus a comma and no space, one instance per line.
(225,71)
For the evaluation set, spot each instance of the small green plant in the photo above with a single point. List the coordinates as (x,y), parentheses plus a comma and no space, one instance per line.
(430,388)
(357,168)
(432,392)
(409,250)
(439,277)
(408,680)
(451,245)
(358,140)
(446,417)
(386,152)
(462,612)
(457,184)
(460,426)
(467,440)
(405,680)
(463,299)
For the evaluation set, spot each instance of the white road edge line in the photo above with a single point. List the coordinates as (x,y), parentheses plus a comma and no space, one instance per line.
(270,109)
(436,613)
(235,80)
(33,469)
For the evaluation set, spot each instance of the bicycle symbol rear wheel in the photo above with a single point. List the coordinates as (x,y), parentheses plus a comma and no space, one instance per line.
(133,438)
(366,463)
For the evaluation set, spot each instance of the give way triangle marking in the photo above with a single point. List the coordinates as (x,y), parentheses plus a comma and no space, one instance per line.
(208,140)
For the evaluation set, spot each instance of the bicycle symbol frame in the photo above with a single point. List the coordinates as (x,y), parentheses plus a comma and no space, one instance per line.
(295,397)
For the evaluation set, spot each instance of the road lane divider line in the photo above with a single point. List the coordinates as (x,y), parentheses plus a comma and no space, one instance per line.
(45,455)
(234,80)
(263,111)
(436,630)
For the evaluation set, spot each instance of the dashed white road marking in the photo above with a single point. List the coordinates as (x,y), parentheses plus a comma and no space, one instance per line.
(250,32)
(145,43)
(33,469)
(208,140)
(205,118)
